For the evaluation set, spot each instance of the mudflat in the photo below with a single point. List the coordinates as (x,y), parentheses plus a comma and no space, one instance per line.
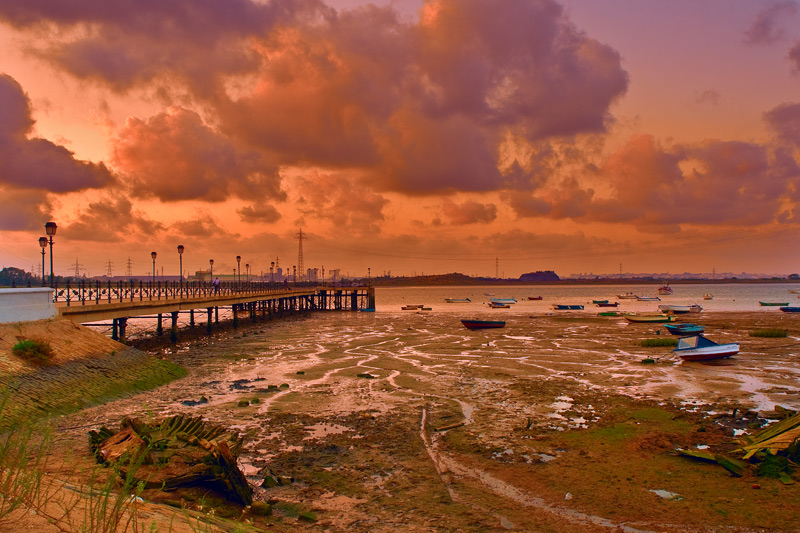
(410,422)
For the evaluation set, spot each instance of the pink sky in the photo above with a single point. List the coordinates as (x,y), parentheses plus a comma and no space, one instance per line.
(407,136)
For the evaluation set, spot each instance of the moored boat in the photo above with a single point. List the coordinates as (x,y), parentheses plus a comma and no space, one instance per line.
(649,318)
(608,313)
(699,348)
(685,329)
(607,304)
(648,298)
(665,289)
(503,300)
(412,307)
(599,301)
(774,304)
(567,307)
(790,309)
(534,297)
(457,300)
(708,296)
(627,296)
(483,324)
(498,305)
(367,309)
(680,309)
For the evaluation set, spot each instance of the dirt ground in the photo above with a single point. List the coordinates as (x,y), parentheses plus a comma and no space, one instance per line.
(408,423)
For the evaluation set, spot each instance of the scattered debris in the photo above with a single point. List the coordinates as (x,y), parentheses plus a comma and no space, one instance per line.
(774,451)
(176,452)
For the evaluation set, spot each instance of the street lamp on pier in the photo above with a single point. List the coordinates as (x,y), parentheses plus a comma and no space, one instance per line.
(180,258)
(247,271)
(369,276)
(154,255)
(239,268)
(271,266)
(211,271)
(50,228)
(323,275)
(294,275)
(43,244)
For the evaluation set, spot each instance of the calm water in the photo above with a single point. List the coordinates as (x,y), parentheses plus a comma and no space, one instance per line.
(729,297)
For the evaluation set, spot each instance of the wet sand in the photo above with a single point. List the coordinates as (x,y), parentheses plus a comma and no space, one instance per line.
(408,421)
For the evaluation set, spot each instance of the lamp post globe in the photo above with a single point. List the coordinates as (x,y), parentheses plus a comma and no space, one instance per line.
(271,266)
(239,266)
(43,244)
(154,255)
(50,228)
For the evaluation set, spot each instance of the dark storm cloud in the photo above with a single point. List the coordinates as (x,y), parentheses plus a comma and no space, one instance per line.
(111,220)
(34,163)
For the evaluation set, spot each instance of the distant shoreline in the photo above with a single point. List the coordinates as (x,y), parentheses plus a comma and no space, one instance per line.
(418,282)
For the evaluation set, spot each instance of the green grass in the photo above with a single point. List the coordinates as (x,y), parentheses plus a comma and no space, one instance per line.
(38,352)
(769,333)
(663,341)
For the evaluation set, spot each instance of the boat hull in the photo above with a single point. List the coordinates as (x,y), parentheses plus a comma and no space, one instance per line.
(790,309)
(457,300)
(685,329)
(774,304)
(569,307)
(606,304)
(720,351)
(483,324)
(649,319)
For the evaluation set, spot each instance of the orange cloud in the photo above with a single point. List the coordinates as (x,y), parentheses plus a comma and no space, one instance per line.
(175,156)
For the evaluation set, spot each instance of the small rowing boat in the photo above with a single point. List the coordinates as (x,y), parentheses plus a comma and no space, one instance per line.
(637,319)
(567,307)
(685,329)
(483,324)
(773,304)
(457,300)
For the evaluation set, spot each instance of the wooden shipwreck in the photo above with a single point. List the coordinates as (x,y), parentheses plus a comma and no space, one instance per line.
(176,452)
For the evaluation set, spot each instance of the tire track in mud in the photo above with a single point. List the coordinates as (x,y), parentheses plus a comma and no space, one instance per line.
(446,465)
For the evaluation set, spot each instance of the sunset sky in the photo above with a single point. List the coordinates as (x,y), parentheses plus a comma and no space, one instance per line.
(411,136)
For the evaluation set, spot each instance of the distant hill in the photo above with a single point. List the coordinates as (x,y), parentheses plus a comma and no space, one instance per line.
(540,275)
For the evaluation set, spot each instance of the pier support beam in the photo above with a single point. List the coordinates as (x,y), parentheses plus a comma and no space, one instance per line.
(123,325)
(173,334)
(191,317)
(235,309)
(114,326)
(208,325)
(160,327)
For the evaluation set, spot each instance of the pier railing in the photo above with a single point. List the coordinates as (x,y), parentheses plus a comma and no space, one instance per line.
(96,292)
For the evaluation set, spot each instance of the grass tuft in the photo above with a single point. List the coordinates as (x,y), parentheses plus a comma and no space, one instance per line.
(664,341)
(769,333)
(38,352)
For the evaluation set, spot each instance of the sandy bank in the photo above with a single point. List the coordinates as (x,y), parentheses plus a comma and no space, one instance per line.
(86,369)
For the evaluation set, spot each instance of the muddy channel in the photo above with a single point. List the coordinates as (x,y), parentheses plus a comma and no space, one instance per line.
(407,421)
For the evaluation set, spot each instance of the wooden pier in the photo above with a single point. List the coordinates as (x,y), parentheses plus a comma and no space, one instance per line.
(96,301)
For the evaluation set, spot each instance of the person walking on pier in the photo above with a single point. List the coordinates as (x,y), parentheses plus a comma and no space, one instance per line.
(216,285)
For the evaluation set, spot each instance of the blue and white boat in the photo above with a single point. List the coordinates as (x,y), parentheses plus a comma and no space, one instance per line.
(503,300)
(699,348)
(685,329)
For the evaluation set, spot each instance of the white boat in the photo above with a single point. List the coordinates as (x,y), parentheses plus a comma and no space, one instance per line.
(627,296)
(699,348)
(648,298)
(457,300)
(679,309)
(708,296)
(665,289)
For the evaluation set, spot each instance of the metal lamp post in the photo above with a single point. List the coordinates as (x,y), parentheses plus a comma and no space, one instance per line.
(154,255)
(43,244)
(180,258)
(239,266)
(247,272)
(271,266)
(369,276)
(211,271)
(50,228)
(294,275)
